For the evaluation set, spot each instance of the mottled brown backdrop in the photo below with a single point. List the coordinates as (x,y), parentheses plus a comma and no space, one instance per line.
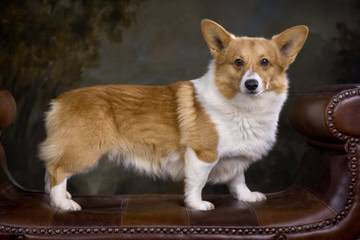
(48,47)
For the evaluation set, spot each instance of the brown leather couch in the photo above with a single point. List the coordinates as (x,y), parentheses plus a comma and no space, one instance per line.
(322,204)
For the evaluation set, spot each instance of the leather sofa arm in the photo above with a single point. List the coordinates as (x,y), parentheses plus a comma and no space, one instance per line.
(329,118)
(328,115)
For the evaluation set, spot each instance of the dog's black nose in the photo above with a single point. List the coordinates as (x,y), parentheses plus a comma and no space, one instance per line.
(251,84)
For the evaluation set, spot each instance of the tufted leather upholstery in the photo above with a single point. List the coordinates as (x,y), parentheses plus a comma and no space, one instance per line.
(323,203)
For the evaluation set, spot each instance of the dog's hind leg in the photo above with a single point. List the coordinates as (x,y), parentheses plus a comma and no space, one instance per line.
(48,185)
(74,160)
(59,196)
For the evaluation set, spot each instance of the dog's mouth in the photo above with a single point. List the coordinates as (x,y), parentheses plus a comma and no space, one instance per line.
(255,93)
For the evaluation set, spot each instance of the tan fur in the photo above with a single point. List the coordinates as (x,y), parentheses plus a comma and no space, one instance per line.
(281,51)
(197,131)
(251,50)
(141,121)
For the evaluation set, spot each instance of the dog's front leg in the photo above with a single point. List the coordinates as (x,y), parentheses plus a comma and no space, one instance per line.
(196,176)
(240,191)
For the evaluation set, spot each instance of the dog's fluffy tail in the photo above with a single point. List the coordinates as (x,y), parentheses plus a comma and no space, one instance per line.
(49,150)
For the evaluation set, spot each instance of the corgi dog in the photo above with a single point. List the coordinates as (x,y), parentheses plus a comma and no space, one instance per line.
(209,129)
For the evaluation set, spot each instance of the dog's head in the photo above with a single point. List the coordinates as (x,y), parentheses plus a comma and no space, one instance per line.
(252,65)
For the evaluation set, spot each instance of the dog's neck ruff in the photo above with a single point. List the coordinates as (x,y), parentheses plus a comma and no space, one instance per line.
(246,124)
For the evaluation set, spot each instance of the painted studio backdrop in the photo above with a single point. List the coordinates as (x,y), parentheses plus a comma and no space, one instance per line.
(48,47)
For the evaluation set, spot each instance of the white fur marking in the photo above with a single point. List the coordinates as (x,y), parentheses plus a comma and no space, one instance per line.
(61,199)
(172,166)
(249,74)
(169,166)
(196,176)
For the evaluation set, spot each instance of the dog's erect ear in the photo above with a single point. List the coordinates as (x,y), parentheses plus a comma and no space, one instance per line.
(291,41)
(216,37)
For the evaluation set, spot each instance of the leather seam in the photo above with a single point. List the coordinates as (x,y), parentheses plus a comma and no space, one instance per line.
(124,206)
(188,217)
(332,210)
(252,210)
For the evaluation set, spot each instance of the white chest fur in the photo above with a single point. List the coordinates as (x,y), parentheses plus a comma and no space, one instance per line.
(248,132)
(246,124)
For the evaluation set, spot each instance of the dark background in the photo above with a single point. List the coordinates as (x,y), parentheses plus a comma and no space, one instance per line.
(48,47)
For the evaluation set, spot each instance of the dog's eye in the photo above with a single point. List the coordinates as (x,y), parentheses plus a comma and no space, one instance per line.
(239,62)
(264,62)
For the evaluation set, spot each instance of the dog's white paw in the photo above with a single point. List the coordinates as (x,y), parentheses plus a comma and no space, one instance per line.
(251,197)
(66,205)
(201,205)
